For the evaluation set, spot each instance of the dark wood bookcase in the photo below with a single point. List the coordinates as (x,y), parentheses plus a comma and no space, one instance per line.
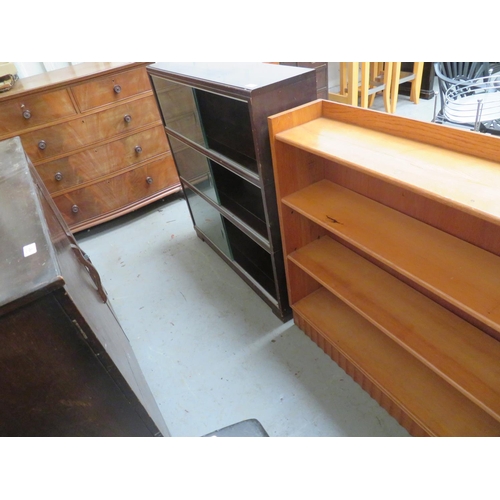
(215,117)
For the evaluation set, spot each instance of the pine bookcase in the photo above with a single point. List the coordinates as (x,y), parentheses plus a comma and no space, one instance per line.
(391,238)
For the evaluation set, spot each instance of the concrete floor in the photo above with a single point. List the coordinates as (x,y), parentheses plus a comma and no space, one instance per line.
(211,350)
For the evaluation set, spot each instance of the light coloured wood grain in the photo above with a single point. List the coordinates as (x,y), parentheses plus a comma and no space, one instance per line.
(444,137)
(458,272)
(434,404)
(462,355)
(466,182)
(367,384)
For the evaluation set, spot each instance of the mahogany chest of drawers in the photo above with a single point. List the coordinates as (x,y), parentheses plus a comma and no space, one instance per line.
(94,134)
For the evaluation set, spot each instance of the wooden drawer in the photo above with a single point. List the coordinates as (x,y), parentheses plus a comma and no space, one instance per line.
(93,163)
(117,193)
(86,130)
(110,89)
(39,109)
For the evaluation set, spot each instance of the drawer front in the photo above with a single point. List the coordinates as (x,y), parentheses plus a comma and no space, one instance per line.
(117,192)
(110,89)
(81,132)
(97,162)
(30,111)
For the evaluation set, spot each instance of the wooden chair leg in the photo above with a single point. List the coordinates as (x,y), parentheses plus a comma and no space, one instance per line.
(396,73)
(352,83)
(416,84)
(348,94)
(343,78)
(389,82)
(365,84)
(375,69)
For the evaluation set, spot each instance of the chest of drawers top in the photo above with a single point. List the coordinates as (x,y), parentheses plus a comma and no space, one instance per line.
(60,95)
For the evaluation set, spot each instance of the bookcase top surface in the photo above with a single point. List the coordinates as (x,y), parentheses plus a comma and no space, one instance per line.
(456,167)
(246,76)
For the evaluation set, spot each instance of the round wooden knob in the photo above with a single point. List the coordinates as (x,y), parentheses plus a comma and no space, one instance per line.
(149,180)
(27,114)
(58,177)
(117,89)
(127,118)
(42,145)
(75,209)
(138,149)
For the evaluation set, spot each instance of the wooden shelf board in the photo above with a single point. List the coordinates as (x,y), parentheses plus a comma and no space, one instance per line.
(458,352)
(430,401)
(460,273)
(463,181)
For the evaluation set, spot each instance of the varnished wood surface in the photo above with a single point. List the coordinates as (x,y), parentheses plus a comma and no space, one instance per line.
(64,76)
(464,356)
(101,91)
(416,324)
(81,132)
(432,403)
(42,108)
(80,118)
(117,191)
(453,178)
(460,273)
(102,161)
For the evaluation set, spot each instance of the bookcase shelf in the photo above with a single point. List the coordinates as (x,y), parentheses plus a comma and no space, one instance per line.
(215,117)
(395,275)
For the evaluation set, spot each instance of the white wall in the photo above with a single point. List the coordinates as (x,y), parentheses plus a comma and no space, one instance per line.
(34,68)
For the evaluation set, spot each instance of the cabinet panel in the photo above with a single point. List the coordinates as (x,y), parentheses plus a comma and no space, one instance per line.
(34,110)
(53,384)
(91,164)
(110,89)
(66,366)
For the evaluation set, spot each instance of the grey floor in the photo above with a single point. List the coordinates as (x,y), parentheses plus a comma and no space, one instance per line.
(211,350)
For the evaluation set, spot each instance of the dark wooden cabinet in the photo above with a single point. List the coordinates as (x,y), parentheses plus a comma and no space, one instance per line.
(321,69)
(66,366)
(215,117)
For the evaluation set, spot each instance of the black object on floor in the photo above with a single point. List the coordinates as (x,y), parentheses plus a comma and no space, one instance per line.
(246,428)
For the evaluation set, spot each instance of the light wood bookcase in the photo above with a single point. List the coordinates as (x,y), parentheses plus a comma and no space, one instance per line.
(391,236)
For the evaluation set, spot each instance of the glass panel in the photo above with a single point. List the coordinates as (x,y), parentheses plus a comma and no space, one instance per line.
(227,127)
(214,122)
(194,168)
(208,220)
(179,109)
(242,199)
(252,258)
